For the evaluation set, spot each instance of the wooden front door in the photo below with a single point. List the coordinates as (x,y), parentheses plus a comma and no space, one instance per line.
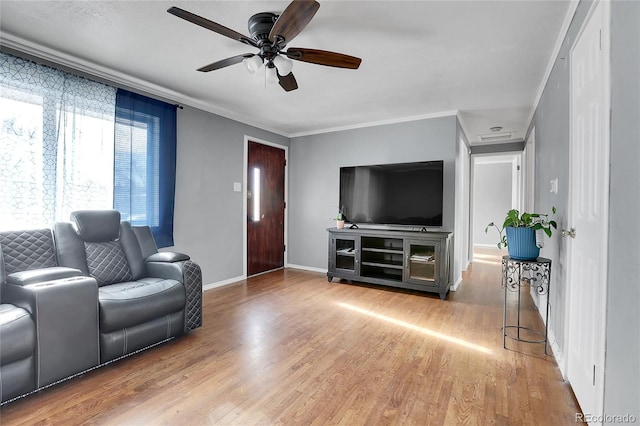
(265,208)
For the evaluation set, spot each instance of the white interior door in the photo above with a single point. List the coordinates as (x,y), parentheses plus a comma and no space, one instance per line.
(588,211)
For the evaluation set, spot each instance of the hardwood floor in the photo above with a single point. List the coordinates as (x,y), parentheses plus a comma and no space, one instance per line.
(290,348)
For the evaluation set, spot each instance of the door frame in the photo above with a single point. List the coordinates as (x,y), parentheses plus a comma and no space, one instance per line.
(515,159)
(529,173)
(462,247)
(245,173)
(601,308)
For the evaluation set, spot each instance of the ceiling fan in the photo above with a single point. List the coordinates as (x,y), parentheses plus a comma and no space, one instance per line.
(270,34)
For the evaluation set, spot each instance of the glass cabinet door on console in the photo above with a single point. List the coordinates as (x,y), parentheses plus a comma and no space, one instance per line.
(346,260)
(421,260)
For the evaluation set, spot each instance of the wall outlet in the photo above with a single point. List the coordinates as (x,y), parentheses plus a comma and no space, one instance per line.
(237,187)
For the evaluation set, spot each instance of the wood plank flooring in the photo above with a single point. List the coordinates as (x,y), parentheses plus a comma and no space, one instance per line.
(290,348)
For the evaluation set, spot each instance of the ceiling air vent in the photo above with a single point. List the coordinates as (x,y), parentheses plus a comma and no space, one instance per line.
(496,137)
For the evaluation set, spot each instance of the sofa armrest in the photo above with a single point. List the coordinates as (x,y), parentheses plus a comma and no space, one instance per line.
(190,275)
(34,276)
(166,270)
(167,257)
(65,312)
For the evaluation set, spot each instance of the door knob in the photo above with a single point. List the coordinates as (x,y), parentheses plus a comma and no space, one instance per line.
(570,233)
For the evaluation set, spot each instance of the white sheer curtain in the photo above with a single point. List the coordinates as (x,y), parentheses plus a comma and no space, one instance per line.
(56,150)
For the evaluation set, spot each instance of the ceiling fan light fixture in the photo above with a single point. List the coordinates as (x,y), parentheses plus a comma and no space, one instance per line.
(271,76)
(284,65)
(253,64)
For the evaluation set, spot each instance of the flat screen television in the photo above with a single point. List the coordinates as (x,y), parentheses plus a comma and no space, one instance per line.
(405,194)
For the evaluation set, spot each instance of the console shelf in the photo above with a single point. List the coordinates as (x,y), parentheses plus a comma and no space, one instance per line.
(406,259)
(385,265)
(375,250)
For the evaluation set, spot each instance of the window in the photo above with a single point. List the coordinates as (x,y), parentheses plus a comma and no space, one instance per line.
(21,161)
(144,173)
(56,154)
(69,143)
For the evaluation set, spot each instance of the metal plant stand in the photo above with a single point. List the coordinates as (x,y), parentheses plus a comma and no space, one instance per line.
(515,274)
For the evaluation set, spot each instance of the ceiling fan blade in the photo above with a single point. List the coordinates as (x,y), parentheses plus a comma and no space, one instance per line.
(288,82)
(323,57)
(225,62)
(294,19)
(210,25)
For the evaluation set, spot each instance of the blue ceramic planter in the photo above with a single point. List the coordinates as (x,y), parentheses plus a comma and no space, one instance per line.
(521,243)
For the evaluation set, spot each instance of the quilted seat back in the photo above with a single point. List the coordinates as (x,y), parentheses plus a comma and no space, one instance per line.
(107,262)
(100,232)
(27,250)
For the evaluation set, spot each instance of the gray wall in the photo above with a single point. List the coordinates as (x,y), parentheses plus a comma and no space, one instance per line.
(314,163)
(208,221)
(622,381)
(492,189)
(552,119)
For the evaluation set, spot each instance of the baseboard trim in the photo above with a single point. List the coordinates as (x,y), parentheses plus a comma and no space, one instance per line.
(551,337)
(223,283)
(557,353)
(455,286)
(306,268)
(485,245)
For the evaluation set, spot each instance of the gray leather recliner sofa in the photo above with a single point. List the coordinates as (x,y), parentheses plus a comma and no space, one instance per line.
(101,291)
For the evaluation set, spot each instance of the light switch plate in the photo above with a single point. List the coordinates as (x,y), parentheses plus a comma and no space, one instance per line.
(237,187)
(553,188)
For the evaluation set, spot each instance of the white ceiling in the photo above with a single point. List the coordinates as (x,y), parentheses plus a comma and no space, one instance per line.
(485,60)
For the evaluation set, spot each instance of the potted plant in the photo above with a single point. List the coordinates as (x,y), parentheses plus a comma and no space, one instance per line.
(340,219)
(520,230)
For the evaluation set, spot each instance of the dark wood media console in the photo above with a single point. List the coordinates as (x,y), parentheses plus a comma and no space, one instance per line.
(405,259)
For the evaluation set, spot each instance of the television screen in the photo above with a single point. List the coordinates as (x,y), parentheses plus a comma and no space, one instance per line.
(393,194)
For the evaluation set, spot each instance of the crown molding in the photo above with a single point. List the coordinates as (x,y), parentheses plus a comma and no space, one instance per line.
(377,123)
(552,60)
(464,129)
